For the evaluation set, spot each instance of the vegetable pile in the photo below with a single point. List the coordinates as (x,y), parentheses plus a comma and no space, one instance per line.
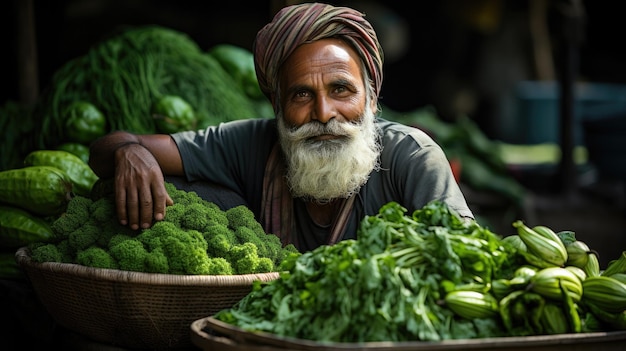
(124,75)
(195,237)
(143,79)
(431,276)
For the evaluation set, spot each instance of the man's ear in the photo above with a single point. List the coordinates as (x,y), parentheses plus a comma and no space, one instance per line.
(374,106)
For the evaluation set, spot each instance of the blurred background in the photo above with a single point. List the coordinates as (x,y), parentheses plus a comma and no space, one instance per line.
(544,81)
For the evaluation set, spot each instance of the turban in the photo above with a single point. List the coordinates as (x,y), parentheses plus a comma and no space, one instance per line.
(304,23)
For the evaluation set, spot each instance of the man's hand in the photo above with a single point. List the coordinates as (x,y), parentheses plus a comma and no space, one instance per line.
(140,193)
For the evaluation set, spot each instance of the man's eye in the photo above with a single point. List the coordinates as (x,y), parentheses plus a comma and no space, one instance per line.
(301,94)
(340,89)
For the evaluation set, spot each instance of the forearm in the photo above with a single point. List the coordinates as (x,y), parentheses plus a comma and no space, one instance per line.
(102,152)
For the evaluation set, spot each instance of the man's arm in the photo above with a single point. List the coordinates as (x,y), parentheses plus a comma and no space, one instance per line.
(137,163)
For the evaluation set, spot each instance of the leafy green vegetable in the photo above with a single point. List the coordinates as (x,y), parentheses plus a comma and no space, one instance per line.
(385,286)
(125,73)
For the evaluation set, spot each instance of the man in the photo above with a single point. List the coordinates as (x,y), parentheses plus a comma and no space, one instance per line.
(311,174)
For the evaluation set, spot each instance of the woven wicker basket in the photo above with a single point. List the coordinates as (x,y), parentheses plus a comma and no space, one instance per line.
(132,309)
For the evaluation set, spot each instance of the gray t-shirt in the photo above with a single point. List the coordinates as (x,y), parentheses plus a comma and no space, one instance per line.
(414,171)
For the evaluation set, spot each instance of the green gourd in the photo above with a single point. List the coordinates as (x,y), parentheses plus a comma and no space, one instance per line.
(19,228)
(41,190)
(77,170)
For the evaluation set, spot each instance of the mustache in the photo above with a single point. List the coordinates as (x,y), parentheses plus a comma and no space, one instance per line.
(332,127)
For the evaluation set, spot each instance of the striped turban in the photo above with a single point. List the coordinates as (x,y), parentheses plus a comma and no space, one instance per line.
(299,24)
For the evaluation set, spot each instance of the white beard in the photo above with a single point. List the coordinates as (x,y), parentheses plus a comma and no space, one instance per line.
(330,169)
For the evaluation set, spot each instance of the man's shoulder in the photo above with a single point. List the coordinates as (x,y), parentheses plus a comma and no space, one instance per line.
(392,130)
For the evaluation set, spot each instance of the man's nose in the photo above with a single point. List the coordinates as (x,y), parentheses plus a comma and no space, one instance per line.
(324,109)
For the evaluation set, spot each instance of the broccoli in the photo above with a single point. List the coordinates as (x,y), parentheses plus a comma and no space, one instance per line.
(83,237)
(219,240)
(186,250)
(95,256)
(84,223)
(242,216)
(220,266)
(217,214)
(181,196)
(118,238)
(156,261)
(195,237)
(199,216)
(103,210)
(75,215)
(130,254)
(66,252)
(265,265)
(45,253)
(109,230)
(175,213)
(245,259)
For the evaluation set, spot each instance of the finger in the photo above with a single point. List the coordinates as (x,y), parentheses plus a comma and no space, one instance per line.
(132,208)
(161,200)
(120,203)
(146,208)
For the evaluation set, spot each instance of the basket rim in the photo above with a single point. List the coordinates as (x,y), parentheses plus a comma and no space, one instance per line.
(22,256)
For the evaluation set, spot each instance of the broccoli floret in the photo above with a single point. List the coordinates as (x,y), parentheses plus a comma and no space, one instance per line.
(66,251)
(196,217)
(151,237)
(130,254)
(268,245)
(103,210)
(175,214)
(186,250)
(83,237)
(287,257)
(46,253)
(242,216)
(184,255)
(217,214)
(95,256)
(272,245)
(118,238)
(247,235)
(200,215)
(265,265)
(196,261)
(109,230)
(181,196)
(156,261)
(244,258)
(219,240)
(220,266)
(76,214)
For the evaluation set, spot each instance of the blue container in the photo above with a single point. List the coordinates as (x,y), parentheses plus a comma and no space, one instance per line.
(536,110)
(605,139)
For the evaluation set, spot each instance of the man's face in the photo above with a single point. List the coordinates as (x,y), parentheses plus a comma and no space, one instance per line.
(326,121)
